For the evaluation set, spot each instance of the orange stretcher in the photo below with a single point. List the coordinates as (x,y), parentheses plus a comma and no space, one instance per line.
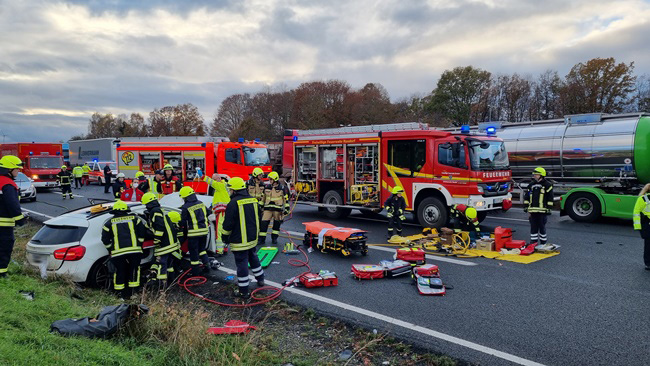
(327,237)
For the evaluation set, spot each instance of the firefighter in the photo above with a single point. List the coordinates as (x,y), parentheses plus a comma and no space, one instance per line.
(177,255)
(276,206)
(78,173)
(219,201)
(153,185)
(119,186)
(466,219)
(64,177)
(165,235)
(255,184)
(170,182)
(123,235)
(240,230)
(395,206)
(538,202)
(10,213)
(108,173)
(641,222)
(194,220)
(85,177)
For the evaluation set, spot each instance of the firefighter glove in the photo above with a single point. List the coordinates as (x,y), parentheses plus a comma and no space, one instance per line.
(21,222)
(402,217)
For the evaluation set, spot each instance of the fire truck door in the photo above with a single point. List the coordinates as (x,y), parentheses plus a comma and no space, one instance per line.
(229,161)
(404,164)
(452,166)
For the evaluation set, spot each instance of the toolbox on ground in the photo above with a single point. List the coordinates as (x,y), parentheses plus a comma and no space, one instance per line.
(427,279)
(503,239)
(327,237)
(367,271)
(311,280)
(485,244)
(414,256)
(395,268)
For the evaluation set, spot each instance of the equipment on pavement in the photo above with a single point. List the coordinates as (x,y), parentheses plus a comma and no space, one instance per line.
(415,256)
(327,237)
(427,280)
(322,279)
(266,255)
(503,239)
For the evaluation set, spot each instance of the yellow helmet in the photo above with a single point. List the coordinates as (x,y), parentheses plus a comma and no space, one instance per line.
(470,213)
(174,216)
(63,167)
(236,184)
(168,167)
(541,171)
(11,162)
(273,176)
(139,174)
(120,205)
(148,197)
(397,189)
(257,171)
(185,192)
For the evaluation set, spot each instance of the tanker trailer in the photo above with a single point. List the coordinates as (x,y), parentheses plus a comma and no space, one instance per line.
(601,161)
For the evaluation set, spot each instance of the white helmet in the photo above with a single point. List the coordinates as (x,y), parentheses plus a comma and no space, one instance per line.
(120,175)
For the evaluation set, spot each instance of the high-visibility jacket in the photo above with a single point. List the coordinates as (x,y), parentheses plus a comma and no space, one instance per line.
(78,172)
(64,178)
(194,217)
(10,212)
(171,184)
(256,188)
(241,225)
(641,215)
(395,206)
(123,234)
(276,197)
(465,223)
(539,197)
(153,186)
(220,191)
(164,232)
(86,169)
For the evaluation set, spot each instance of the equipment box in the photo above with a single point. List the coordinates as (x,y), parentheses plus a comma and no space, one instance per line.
(396,268)
(367,271)
(485,244)
(411,255)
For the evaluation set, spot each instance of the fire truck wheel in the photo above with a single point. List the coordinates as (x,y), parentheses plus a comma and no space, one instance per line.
(335,198)
(432,213)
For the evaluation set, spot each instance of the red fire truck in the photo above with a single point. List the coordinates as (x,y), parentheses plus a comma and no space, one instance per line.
(42,161)
(234,159)
(356,167)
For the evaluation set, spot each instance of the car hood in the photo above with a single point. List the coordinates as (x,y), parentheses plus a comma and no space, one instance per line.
(23,184)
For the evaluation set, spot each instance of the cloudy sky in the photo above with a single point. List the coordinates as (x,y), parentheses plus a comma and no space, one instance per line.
(60,61)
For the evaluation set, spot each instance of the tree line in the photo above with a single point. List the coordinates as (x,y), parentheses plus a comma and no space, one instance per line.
(463,95)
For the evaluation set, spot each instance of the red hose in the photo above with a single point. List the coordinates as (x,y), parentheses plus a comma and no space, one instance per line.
(200,280)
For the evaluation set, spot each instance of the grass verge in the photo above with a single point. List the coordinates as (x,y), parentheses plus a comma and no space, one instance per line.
(174,332)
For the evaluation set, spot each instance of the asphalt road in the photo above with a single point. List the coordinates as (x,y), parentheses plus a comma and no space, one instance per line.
(587,306)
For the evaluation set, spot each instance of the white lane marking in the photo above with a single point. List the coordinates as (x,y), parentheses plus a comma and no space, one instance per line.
(403,324)
(505,218)
(37,213)
(299,235)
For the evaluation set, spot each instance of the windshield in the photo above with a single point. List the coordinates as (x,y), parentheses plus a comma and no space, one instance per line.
(256,156)
(45,163)
(21,178)
(488,155)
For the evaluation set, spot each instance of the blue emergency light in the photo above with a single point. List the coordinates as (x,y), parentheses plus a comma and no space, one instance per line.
(241,140)
(31,153)
(58,153)
(295,138)
(464,129)
(257,141)
(203,144)
(95,160)
(491,130)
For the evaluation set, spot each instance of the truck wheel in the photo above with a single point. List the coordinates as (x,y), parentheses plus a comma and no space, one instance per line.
(99,181)
(583,207)
(481,215)
(98,275)
(432,213)
(335,198)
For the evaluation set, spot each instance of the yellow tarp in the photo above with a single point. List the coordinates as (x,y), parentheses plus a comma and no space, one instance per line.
(511,257)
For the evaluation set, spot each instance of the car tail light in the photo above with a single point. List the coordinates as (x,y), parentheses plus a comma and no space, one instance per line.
(70,253)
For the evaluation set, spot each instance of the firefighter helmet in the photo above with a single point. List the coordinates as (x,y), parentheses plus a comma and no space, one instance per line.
(63,167)
(175,217)
(168,167)
(120,206)
(185,192)
(148,197)
(257,171)
(470,213)
(121,175)
(539,170)
(11,162)
(397,189)
(139,174)
(273,176)
(236,184)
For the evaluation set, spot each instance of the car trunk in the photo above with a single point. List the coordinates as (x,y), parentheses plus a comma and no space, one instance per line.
(40,249)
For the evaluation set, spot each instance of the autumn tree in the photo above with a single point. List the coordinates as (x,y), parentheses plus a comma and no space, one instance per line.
(643,94)
(545,101)
(180,120)
(101,126)
(370,105)
(320,105)
(458,92)
(232,112)
(599,85)
(510,98)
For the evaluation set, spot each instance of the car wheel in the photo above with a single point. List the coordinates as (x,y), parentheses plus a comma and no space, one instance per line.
(33,199)
(98,275)
(99,181)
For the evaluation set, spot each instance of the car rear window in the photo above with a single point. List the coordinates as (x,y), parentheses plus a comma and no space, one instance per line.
(53,235)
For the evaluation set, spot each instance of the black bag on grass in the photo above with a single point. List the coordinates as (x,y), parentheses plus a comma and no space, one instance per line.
(107,323)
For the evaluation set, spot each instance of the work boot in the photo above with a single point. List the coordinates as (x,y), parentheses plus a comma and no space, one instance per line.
(262,284)
(647,268)
(71,197)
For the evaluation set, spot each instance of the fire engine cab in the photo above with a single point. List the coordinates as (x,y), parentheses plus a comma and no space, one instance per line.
(347,168)
(234,159)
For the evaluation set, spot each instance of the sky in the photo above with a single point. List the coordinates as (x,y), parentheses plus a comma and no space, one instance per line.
(61,61)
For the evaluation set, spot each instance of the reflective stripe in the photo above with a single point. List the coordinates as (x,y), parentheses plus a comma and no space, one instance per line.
(226,232)
(276,232)
(136,283)
(195,263)
(3,270)
(203,253)
(263,233)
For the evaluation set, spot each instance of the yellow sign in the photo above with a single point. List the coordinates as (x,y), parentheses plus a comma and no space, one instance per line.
(127,157)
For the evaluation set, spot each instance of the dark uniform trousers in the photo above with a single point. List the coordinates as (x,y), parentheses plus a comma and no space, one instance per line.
(6,246)
(127,268)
